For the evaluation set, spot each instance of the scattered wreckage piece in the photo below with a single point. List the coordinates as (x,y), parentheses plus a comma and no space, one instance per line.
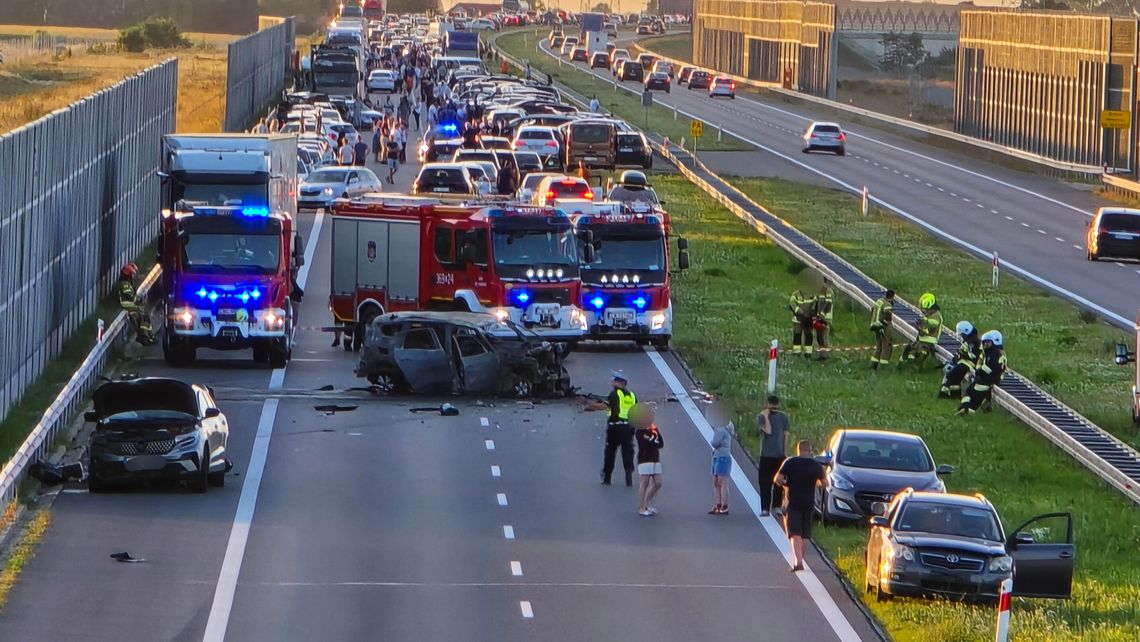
(460,353)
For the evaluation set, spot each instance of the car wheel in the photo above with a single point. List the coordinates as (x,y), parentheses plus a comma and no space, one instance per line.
(880,594)
(841,152)
(1091,255)
(732,96)
(260,355)
(384,382)
(806,150)
(521,388)
(202,481)
(218,479)
(661,343)
(278,357)
(95,484)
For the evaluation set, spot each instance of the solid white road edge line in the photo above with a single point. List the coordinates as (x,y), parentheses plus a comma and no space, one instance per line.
(277,377)
(239,533)
(823,601)
(527,611)
(516,569)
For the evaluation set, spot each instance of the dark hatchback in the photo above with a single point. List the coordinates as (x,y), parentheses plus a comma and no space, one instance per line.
(658,80)
(935,544)
(633,150)
(1113,233)
(631,70)
(700,80)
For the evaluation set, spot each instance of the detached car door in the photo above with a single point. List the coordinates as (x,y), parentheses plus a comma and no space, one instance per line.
(423,362)
(1043,553)
(478,363)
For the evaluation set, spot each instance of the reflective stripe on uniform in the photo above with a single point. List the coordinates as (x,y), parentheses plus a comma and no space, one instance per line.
(626,400)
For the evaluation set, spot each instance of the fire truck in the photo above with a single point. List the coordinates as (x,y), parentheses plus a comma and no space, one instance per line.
(393,253)
(626,279)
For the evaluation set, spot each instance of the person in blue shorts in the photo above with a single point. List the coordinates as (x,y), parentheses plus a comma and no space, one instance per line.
(721,467)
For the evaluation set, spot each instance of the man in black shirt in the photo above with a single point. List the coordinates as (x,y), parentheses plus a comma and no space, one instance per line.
(799,475)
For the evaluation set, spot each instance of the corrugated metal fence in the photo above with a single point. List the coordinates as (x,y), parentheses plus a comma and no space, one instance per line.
(258,67)
(78,201)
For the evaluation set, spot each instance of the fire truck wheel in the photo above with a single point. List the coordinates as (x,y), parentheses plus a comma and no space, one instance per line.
(260,355)
(278,357)
(178,355)
(662,343)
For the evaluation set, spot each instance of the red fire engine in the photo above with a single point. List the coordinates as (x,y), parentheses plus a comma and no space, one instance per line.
(394,253)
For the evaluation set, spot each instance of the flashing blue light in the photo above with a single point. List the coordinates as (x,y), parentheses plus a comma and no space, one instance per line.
(213,296)
(598,302)
(262,212)
(640,302)
(523,297)
(256,294)
(202,293)
(450,128)
(244,296)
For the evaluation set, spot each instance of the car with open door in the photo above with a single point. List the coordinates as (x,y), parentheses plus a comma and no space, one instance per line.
(938,544)
(156,428)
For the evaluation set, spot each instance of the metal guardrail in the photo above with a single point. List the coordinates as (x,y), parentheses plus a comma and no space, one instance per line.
(1106,456)
(1122,185)
(67,404)
(775,88)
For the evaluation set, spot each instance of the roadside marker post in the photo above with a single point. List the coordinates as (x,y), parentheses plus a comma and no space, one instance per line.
(773,357)
(866,200)
(674,111)
(99,332)
(997,268)
(1002,632)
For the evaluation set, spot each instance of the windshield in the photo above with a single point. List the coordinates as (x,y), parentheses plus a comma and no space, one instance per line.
(942,519)
(336,78)
(327,176)
(591,133)
(626,250)
(885,454)
(630,195)
(244,253)
(218,194)
(523,247)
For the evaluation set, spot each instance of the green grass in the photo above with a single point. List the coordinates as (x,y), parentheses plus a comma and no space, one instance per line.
(627,106)
(678,46)
(732,302)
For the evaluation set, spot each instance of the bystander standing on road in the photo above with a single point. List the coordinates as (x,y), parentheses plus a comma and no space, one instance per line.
(773,424)
(721,467)
(649,445)
(393,158)
(377,142)
(360,151)
(799,475)
(345,154)
(400,134)
(417,111)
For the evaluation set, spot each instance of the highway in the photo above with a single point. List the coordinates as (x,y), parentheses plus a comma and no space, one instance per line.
(1035,224)
(384,524)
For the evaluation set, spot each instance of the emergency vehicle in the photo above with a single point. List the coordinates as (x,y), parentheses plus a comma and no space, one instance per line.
(394,253)
(229,274)
(626,280)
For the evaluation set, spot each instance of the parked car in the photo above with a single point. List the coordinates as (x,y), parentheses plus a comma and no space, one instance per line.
(579,55)
(825,136)
(869,466)
(156,428)
(1114,232)
(644,30)
(664,66)
(700,79)
(460,353)
(382,80)
(657,80)
(530,182)
(568,46)
(647,61)
(556,42)
(937,544)
(722,86)
(327,184)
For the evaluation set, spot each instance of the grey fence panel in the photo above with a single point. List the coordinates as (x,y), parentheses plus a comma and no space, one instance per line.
(258,68)
(80,198)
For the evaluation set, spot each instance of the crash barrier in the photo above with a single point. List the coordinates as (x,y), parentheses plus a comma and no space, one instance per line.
(1121,186)
(1106,456)
(911,126)
(258,68)
(70,400)
(77,202)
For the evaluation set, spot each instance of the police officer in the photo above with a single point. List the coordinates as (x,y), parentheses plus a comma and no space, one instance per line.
(619,432)
(881,315)
(965,360)
(802,308)
(929,327)
(988,373)
(824,302)
(128,300)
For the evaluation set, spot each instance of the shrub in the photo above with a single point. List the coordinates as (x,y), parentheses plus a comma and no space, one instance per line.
(156,32)
(132,39)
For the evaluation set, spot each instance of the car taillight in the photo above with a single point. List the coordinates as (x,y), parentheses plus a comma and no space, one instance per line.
(550,196)
(842,137)
(588,195)
(518,143)
(551,143)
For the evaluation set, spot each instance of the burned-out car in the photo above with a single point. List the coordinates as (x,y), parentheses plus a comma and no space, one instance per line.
(460,353)
(156,428)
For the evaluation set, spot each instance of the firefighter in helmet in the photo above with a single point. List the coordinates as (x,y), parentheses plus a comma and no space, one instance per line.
(129,301)
(964,361)
(929,327)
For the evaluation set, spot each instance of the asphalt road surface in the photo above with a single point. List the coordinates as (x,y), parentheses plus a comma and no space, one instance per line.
(1035,224)
(384,524)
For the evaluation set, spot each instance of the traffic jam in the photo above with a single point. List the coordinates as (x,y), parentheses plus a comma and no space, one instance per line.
(508,251)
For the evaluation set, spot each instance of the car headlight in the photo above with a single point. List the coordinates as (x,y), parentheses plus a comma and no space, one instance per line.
(328,191)
(657,321)
(1003,564)
(501,314)
(841,483)
(183,317)
(577,319)
(272,318)
(896,551)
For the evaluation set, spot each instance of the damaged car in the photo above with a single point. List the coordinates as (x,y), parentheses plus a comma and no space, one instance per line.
(460,353)
(156,429)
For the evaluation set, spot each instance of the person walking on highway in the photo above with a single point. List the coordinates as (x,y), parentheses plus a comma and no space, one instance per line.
(393,153)
(595,105)
(987,374)
(619,432)
(773,424)
(401,135)
(821,320)
(721,467)
(360,152)
(527,72)
(505,67)
(649,445)
(377,142)
(802,308)
(508,181)
(881,315)
(799,476)
(929,328)
(965,360)
(417,111)
(346,153)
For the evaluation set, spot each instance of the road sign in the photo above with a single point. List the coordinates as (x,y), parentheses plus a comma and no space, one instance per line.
(1115,119)
(696,129)
(647,98)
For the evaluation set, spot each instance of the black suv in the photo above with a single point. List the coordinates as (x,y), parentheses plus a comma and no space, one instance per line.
(953,545)
(700,80)
(630,70)
(633,149)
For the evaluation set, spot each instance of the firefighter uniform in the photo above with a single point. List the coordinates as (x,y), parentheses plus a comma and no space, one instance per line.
(929,328)
(881,315)
(619,432)
(988,373)
(802,308)
(824,302)
(128,301)
(965,360)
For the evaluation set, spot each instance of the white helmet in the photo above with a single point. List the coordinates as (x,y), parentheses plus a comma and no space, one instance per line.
(992,336)
(964,328)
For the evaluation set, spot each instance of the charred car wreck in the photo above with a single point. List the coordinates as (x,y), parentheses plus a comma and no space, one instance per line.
(460,353)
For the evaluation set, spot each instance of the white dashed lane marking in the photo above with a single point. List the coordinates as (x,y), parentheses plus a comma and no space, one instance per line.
(502,498)
(483,422)
(516,569)
(489,444)
(527,611)
(508,531)
(496,471)
(1058,239)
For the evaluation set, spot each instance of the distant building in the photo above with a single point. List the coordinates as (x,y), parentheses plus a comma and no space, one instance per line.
(473,9)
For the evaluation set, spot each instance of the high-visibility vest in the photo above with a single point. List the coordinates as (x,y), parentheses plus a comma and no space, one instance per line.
(801,306)
(824,301)
(626,400)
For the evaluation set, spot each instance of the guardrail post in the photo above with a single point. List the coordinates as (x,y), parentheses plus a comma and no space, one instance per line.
(674,111)
(866,200)
(997,268)
(1002,632)
(719,132)
(773,356)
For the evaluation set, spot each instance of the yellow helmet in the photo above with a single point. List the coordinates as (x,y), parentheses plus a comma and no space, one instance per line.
(926,301)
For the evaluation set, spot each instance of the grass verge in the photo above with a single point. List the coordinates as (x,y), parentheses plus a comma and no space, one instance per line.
(21,553)
(732,302)
(677,46)
(627,106)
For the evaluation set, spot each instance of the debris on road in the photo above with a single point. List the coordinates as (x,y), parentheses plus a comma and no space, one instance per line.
(332,409)
(126,557)
(445,409)
(53,475)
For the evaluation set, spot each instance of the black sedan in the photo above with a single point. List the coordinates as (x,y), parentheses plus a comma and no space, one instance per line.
(657,80)
(633,150)
(700,80)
